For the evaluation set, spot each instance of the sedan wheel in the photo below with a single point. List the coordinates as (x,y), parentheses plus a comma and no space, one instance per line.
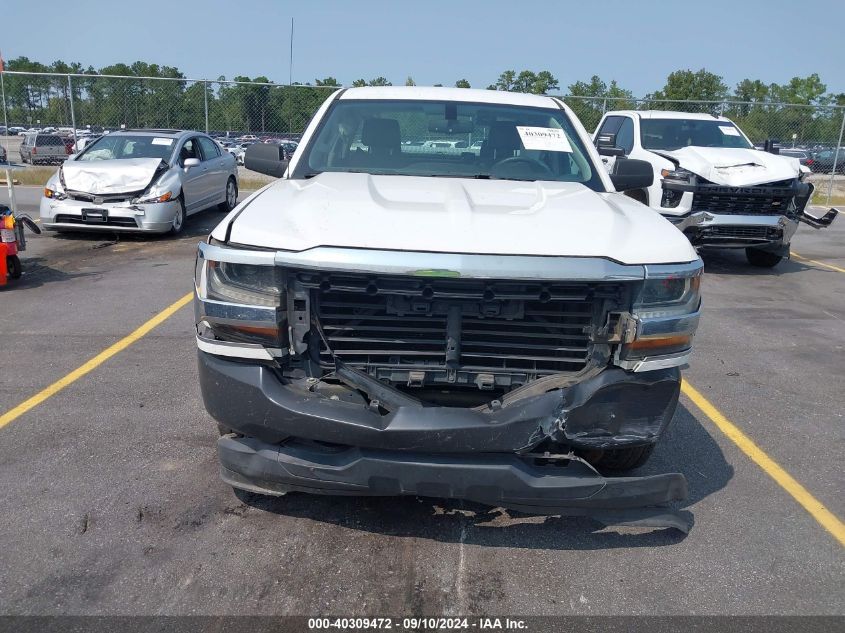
(231,196)
(178,219)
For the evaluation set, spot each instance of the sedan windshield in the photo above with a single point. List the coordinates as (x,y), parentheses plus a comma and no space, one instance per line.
(118,146)
(449,139)
(672,134)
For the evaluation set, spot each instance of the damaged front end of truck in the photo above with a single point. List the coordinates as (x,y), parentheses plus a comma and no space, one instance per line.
(346,371)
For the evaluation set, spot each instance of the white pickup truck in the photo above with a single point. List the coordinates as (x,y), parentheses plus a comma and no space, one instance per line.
(499,325)
(711,182)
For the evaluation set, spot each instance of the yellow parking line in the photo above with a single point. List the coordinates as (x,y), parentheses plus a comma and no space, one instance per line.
(816,508)
(813,261)
(99,359)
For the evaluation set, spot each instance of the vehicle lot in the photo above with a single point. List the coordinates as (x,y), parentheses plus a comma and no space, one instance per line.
(113,506)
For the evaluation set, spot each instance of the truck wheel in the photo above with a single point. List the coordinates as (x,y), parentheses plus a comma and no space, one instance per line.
(624,458)
(13,265)
(762,259)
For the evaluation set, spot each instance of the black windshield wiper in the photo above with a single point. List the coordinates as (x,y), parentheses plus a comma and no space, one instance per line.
(475,176)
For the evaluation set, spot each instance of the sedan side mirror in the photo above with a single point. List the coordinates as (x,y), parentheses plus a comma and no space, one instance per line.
(266,158)
(190,162)
(630,173)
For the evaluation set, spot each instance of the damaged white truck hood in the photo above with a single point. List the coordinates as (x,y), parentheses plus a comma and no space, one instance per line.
(110,176)
(735,166)
(454,215)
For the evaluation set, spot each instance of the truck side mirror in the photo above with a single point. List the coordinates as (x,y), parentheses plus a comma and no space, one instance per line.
(631,173)
(772,146)
(606,145)
(266,158)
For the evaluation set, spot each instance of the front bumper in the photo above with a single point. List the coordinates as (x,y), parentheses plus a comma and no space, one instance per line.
(609,409)
(119,217)
(735,231)
(523,484)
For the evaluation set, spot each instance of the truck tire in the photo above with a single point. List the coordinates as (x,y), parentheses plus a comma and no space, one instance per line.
(624,458)
(762,259)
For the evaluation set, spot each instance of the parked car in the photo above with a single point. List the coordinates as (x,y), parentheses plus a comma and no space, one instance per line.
(711,182)
(823,161)
(804,156)
(69,144)
(40,148)
(82,142)
(140,181)
(494,328)
(238,148)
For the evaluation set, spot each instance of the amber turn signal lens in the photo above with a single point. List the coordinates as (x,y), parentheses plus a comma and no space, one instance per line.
(652,344)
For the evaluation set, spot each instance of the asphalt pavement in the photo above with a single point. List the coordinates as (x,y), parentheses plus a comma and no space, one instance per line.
(111,502)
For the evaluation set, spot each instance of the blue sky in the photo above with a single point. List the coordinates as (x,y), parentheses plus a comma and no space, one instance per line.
(434,41)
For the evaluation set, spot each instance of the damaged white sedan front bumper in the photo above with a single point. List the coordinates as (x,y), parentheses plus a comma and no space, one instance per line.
(113,213)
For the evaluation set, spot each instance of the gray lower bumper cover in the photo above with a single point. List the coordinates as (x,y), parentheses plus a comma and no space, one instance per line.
(499,480)
(613,409)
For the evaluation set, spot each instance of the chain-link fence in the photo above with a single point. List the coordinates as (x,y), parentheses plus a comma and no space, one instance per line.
(107,102)
(79,104)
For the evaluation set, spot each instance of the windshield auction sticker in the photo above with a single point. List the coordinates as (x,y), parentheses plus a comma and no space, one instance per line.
(550,139)
(729,130)
(162,141)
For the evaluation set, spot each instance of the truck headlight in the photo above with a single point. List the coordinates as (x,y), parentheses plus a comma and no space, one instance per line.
(679,174)
(666,313)
(244,283)
(239,302)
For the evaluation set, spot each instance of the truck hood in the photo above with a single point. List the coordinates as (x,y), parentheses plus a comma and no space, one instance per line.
(454,215)
(125,175)
(735,166)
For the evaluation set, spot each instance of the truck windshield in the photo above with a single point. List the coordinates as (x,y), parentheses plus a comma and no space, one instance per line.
(672,134)
(448,139)
(112,147)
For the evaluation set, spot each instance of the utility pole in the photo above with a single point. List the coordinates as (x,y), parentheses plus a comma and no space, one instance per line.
(290,67)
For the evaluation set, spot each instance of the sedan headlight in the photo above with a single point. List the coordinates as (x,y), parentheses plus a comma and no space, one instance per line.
(167,195)
(54,194)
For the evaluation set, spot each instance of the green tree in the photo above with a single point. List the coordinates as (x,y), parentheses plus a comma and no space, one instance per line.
(506,80)
(379,81)
(462,83)
(328,81)
(359,83)
(410,81)
(687,85)
(589,100)
(527,81)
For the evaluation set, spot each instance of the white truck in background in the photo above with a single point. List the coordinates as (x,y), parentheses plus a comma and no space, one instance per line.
(711,183)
